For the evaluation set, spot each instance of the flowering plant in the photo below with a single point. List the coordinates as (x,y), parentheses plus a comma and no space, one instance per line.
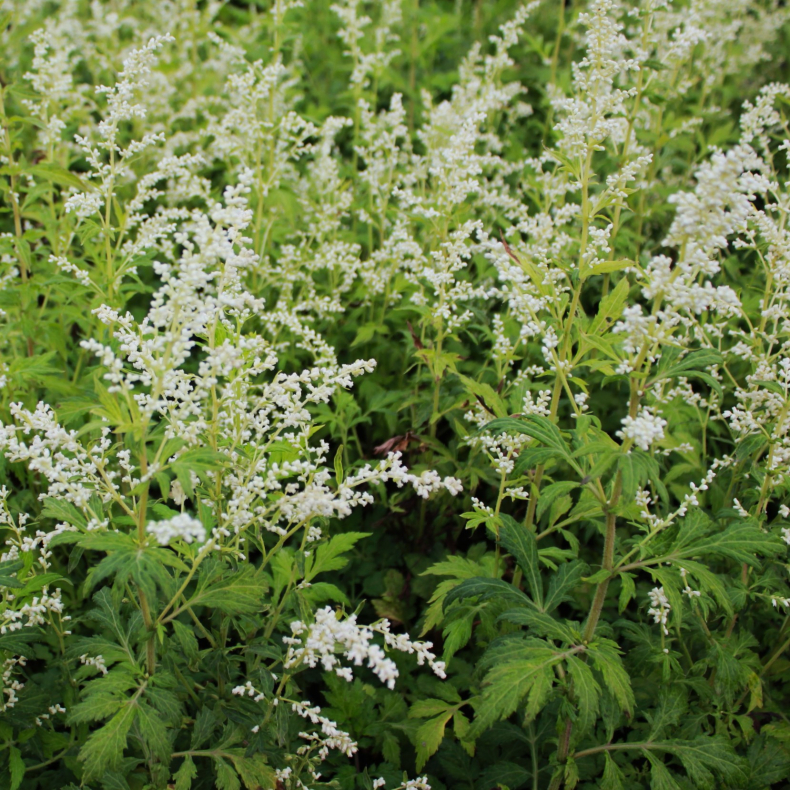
(289,321)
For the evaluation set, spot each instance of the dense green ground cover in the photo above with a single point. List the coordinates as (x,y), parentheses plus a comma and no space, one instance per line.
(394,394)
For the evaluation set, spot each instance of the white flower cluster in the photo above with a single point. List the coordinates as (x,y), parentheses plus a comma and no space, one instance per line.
(645,429)
(53,710)
(660,608)
(35,613)
(331,737)
(10,685)
(318,643)
(687,590)
(180,527)
(97,662)
(248,690)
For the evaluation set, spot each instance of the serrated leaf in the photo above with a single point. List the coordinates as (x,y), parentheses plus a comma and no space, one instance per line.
(205,724)
(535,456)
(339,464)
(226,776)
(154,732)
(586,691)
(540,428)
(540,624)
(429,737)
(567,577)
(690,366)
(17,767)
(627,590)
(238,592)
(485,589)
(551,492)
(487,393)
(612,778)
(506,685)
(329,556)
(254,771)
(63,511)
(104,748)
(705,755)
(100,705)
(185,774)
(186,640)
(669,711)
(521,543)
(606,658)
(742,541)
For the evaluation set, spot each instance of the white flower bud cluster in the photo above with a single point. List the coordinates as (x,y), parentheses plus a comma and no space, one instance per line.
(332,737)
(317,644)
(53,710)
(180,527)
(248,690)
(9,686)
(420,783)
(660,608)
(38,611)
(687,590)
(645,429)
(97,662)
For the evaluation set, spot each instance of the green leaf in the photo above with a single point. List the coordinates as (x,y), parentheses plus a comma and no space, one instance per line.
(205,724)
(8,571)
(660,777)
(610,308)
(201,461)
(154,732)
(540,428)
(186,640)
(185,774)
(612,778)
(743,541)
(339,464)
(329,556)
(603,267)
(104,748)
(535,456)
(97,706)
(17,767)
(428,708)
(429,737)
(550,493)
(605,656)
(568,576)
(690,366)
(627,590)
(521,543)
(587,693)
(114,780)
(60,176)
(61,510)
(668,713)
(226,776)
(487,394)
(506,685)
(107,615)
(484,589)
(238,592)
(254,771)
(541,624)
(705,755)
